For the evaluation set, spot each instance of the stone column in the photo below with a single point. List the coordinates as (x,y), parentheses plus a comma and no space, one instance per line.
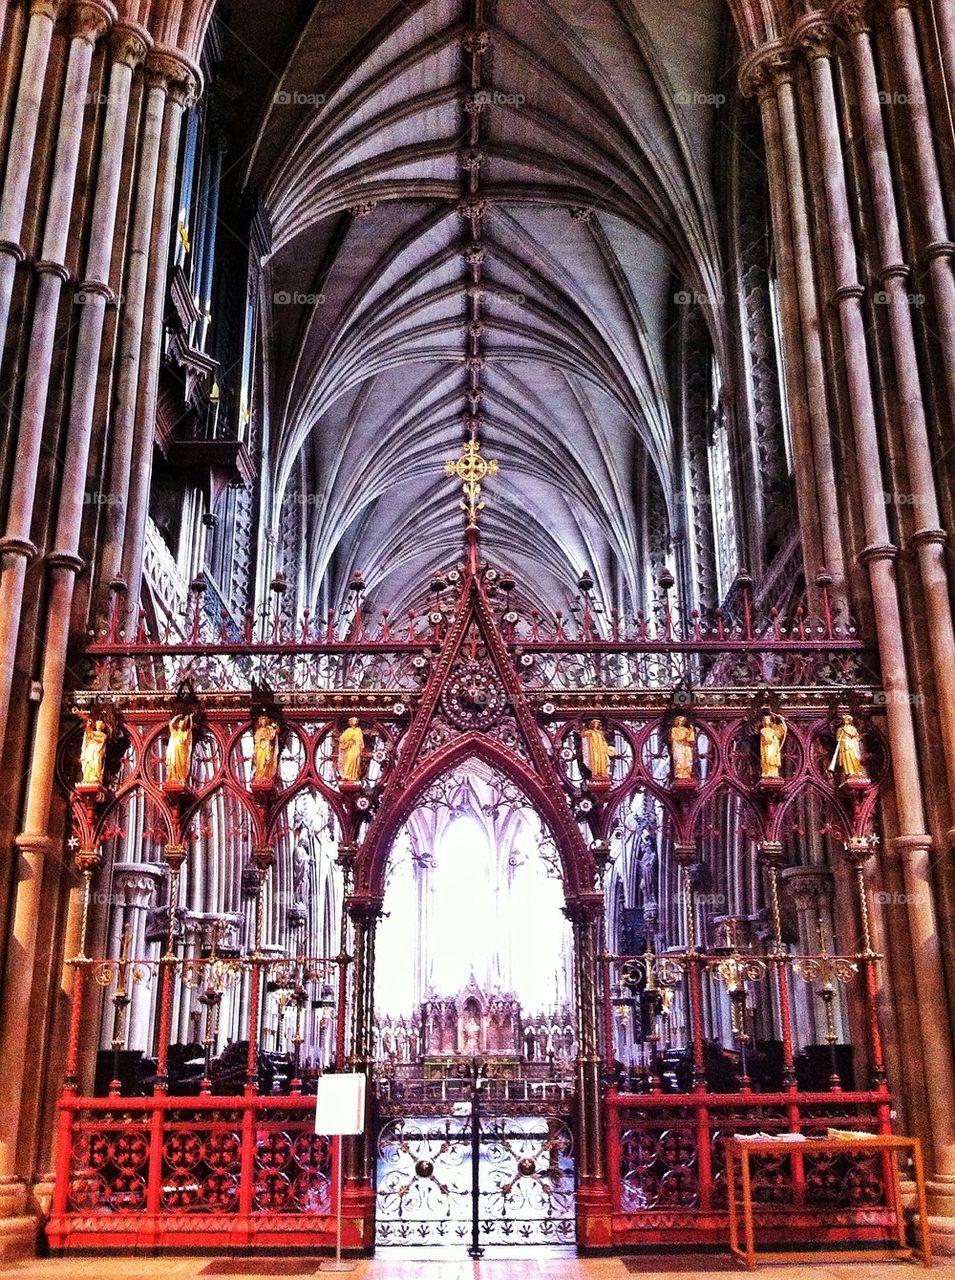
(913,843)
(760,80)
(929,537)
(134,890)
(812,889)
(183,87)
(939,248)
(88,21)
(34,841)
(769,75)
(160,72)
(36,55)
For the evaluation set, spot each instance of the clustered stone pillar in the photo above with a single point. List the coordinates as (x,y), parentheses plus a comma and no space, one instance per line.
(770,78)
(794,74)
(23,136)
(100,240)
(88,22)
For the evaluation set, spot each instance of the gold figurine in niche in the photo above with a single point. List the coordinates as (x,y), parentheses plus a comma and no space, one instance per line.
(847,757)
(682,749)
(597,752)
(351,744)
(93,750)
(265,758)
(179,750)
(772,735)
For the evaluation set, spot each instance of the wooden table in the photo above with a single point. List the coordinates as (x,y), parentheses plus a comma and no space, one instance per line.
(742,1148)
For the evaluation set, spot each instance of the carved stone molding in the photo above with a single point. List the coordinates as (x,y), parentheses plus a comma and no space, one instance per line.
(89,19)
(129,44)
(851,16)
(477,40)
(476,208)
(809,887)
(764,71)
(814,35)
(136,884)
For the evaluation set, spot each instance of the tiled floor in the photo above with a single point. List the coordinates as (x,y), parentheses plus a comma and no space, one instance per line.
(405,1265)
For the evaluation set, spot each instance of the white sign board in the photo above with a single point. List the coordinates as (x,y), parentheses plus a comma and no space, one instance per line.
(340,1104)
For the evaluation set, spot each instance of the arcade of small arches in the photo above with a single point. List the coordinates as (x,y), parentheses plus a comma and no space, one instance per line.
(646,890)
(475,614)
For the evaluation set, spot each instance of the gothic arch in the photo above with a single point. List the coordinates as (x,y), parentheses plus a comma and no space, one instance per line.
(575,859)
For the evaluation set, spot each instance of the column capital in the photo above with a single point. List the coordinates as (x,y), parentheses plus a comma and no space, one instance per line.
(808,886)
(89,19)
(814,35)
(763,71)
(584,907)
(136,882)
(175,855)
(172,70)
(365,907)
(771,853)
(129,43)
(44,9)
(851,16)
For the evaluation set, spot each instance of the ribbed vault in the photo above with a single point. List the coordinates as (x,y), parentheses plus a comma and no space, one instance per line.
(566,152)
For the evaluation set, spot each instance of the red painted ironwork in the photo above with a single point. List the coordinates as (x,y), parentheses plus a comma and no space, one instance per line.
(660,1187)
(186,1172)
(124,1175)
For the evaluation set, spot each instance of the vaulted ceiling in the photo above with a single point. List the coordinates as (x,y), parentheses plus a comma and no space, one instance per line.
(480,214)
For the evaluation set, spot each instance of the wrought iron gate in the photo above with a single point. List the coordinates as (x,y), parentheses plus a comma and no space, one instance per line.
(526,1180)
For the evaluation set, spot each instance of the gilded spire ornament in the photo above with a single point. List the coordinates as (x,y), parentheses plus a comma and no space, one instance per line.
(471,469)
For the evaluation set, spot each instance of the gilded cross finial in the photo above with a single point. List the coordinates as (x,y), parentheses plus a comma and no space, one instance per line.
(471,468)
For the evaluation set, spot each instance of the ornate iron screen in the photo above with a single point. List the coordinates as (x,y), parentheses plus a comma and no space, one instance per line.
(526,1180)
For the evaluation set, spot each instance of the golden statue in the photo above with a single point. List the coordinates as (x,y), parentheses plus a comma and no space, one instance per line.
(351,744)
(847,756)
(179,750)
(265,736)
(597,752)
(772,735)
(682,748)
(93,750)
